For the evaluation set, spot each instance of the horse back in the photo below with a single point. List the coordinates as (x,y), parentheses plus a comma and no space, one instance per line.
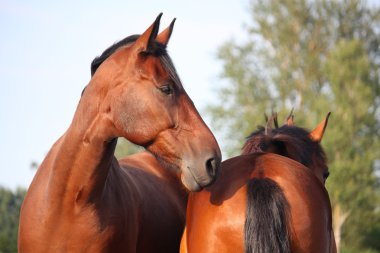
(162,203)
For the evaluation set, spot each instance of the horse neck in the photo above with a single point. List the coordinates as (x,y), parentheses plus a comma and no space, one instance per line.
(84,156)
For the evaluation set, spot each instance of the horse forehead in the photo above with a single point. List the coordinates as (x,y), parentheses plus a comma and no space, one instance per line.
(151,65)
(154,66)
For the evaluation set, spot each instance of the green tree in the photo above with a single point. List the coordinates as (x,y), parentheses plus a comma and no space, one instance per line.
(352,185)
(315,56)
(10,204)
(125,148)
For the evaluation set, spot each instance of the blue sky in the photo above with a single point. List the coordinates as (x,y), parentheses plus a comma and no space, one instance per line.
(45,52)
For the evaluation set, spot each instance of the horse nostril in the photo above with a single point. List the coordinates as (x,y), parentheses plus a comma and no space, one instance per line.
(211,167)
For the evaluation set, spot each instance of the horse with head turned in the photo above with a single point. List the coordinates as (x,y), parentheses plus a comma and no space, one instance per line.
(82,199)
(269,199)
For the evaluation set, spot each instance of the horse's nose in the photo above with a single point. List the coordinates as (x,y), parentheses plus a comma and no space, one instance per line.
(212,168)
(200,170)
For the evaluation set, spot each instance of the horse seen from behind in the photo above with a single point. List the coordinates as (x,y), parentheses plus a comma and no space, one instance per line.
(84,200)
(269,199)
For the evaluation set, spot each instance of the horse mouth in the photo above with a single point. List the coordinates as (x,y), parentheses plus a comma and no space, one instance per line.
(189,181)
(188,178)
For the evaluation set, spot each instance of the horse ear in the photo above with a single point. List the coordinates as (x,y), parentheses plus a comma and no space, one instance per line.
(275,119)
(317,134)
(290,119)
(268,127)
(164,36)
(145,41)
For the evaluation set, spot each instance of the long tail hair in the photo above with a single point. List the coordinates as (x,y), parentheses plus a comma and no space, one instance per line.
(266,226)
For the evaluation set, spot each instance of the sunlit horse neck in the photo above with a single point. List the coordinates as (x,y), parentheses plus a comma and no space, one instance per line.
(86,200)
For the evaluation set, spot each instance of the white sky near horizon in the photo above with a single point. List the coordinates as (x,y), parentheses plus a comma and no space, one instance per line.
(46,48)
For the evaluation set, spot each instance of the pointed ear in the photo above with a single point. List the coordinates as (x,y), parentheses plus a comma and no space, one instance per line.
(266,117)
(275,119)
(268,127)
(145,41)
(290,119)
(317,134)
(164,36)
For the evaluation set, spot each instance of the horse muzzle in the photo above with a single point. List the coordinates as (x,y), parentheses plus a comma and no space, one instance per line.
(201,172)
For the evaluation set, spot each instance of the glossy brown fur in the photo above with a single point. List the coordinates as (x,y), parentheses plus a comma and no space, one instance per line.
(83,200)
(216,216)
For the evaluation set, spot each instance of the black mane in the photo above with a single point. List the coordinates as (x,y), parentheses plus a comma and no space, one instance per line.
(157,49)
(290,141)
(100,59)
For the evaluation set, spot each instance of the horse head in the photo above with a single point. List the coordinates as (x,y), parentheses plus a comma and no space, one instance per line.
(293,142)
(142,99)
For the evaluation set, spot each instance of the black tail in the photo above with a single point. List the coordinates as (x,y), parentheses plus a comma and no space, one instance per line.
(266,226)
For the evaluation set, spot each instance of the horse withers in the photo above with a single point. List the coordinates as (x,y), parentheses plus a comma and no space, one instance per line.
(82,199)
(266,202)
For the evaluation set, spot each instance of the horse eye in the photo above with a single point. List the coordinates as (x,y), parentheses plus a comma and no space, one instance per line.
(166,89)
(326,175)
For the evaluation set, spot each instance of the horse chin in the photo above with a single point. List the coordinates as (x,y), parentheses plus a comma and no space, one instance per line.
(187,177)
(190,183)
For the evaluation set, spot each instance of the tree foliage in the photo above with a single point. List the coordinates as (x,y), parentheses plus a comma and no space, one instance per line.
(10,204)
(125,148)
(315,56)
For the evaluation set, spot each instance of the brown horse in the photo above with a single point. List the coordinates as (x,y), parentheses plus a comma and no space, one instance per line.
(266,202)
(82,199)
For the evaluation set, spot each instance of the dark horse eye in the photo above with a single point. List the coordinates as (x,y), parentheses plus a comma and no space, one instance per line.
(166,89)
(326,175)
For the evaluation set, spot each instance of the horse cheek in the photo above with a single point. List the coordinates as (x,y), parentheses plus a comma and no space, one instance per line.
(125,113)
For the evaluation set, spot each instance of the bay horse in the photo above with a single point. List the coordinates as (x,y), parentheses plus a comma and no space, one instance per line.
(269,199)
(84,200)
